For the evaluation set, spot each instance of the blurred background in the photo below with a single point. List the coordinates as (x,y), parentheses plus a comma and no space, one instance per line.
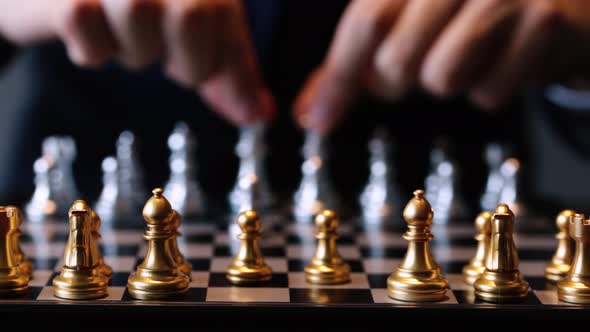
(42,93)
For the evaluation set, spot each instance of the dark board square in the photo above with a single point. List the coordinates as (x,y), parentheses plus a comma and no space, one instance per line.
(25,238)
(50,281)
(43,263)
(540,283)
(193,295)
(454,242)
(119,250)
(119,279)
(59,237)
(378,280)
(468,297)
(373,252)
(535,254)
(278,280)
(454,267)
(200,264)
(224,251)
(298,265)
(330,295)
(199,238)
(29,295)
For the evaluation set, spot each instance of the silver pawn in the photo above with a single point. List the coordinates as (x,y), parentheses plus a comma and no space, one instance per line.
(43,202)
(315,190)
(130,173)
(510,193)
(62,150)
(110,205)
(182,189)
(251,190)
(494,156)
(381,198)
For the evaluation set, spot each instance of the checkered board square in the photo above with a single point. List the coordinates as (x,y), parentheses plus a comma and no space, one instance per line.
(287,248)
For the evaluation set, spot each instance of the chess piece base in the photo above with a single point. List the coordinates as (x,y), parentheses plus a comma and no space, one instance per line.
(472,272)
(245,275)
(556,272)
(105,270)
(501,287)
(411,286)
(75,284)
(574,291)
(149,285)
(12,282)
(327,274)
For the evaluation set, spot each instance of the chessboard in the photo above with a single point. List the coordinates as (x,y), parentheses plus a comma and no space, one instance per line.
(287,247)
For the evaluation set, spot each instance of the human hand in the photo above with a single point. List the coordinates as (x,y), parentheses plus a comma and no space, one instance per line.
(487,49)
(204,44)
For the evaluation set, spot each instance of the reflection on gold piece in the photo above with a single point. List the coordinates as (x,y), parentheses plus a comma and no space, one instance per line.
(181,263)
(103,268)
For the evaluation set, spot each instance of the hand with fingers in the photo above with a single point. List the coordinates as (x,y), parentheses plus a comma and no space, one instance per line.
(204,44)
(486,49)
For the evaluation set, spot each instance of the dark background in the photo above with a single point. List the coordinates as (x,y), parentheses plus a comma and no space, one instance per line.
(42,93)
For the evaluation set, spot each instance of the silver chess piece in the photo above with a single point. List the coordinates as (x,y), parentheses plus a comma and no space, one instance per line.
(495,155)
(315,191)
(442,187)
(123,193)
(251,190)
(55,187)
(510,193)
(182,189)
(381,198)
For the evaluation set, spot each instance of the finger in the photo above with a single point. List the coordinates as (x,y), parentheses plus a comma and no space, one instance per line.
(137,25)
(400,56)
(83,27)
(331,90)
(527,52)
(237,87)
(474,38)
(193,29)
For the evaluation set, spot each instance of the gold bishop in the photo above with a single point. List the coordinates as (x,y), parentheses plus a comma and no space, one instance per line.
(418,278)
(157,277)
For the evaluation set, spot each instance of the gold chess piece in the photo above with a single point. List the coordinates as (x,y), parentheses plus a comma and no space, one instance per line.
(157,277)
(13,279)
(327,267)
(476,266)
(501,280)
(248,266)
(560,264)
(103,268)
(575,287)
(23,264)
(79,278)
(418,278)
(181,263)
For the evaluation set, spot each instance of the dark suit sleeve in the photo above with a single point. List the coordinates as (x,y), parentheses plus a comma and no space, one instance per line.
(6,51)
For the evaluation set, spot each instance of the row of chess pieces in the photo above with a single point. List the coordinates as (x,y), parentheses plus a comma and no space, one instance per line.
(164,273)
(123,187)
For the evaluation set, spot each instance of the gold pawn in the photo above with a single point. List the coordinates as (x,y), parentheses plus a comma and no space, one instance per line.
(248,266)
(157,277)
(561,262)
(501,280)
(13,279)
(418,278)
(103,268)
(476,266)
(181,263)
(327,267)
(575,287)
(79,278)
